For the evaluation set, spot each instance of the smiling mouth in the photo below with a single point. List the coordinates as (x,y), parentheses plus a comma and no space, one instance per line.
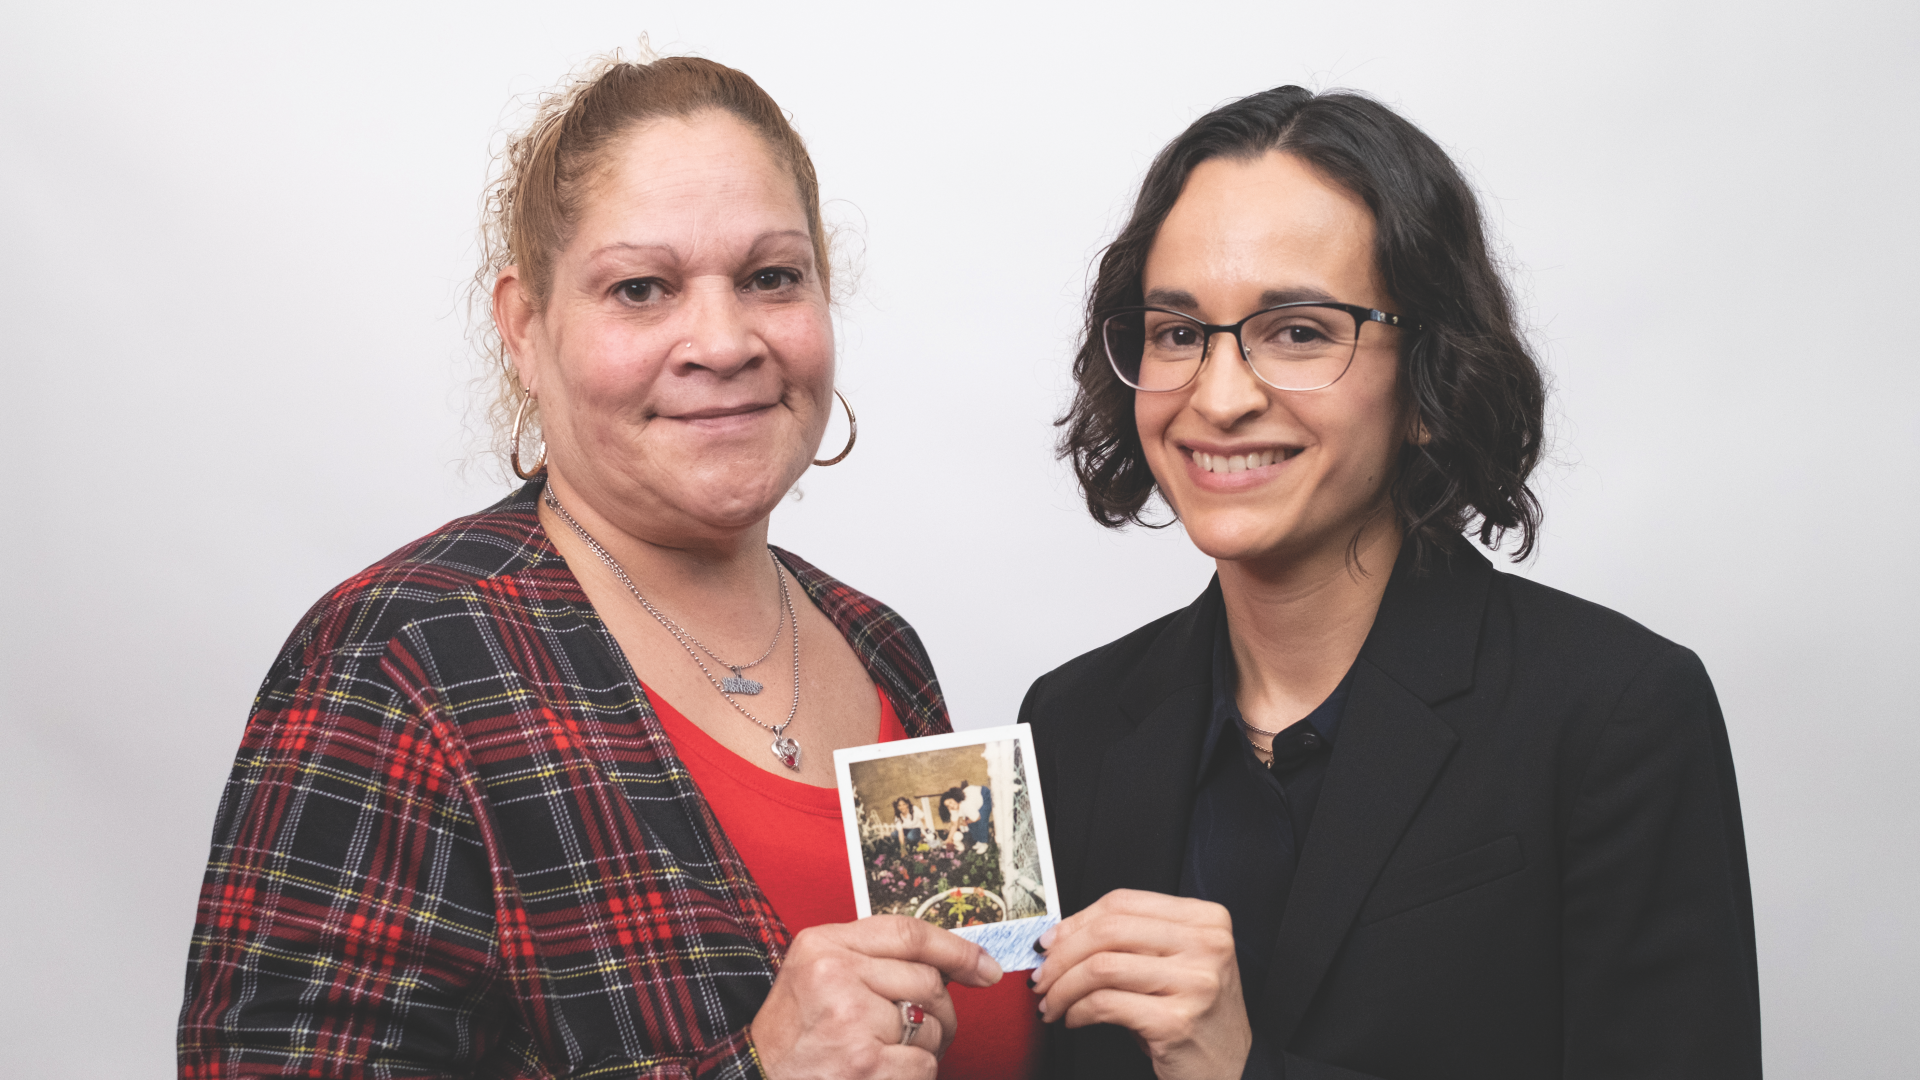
(1233,463)
(717,412)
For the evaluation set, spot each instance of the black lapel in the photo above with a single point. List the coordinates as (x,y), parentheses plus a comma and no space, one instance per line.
(1391,746)
(1138,827)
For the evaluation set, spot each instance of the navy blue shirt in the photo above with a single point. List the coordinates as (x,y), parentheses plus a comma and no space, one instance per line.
(1250,822)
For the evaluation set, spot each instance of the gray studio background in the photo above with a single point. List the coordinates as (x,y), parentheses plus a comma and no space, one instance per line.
(234,373)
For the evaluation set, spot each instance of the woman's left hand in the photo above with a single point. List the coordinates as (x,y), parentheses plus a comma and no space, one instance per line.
(1161,966)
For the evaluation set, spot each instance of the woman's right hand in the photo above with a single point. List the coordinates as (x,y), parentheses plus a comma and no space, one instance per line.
(832,1012)
(1161,966)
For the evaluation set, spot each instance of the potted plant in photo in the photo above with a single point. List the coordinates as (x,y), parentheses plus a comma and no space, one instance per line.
(962,905)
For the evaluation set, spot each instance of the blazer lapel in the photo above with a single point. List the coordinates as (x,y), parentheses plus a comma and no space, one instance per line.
(1138,827)
(1390,748)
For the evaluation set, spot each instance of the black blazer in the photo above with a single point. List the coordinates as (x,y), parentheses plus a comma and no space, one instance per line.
(1526,861)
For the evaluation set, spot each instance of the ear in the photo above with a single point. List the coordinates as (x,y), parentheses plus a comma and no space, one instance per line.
(515,316)
(1417,432)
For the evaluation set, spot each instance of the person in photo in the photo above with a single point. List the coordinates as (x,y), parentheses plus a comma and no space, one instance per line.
(909,824)
(956,820)
(968,807)
(976,805)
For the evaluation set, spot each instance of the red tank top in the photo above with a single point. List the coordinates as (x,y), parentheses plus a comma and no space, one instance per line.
(790,836)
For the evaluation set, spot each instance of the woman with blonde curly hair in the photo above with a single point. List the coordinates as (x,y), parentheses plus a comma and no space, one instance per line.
(549,791)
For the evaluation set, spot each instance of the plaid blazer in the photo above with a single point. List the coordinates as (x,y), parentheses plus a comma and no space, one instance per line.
(456,841)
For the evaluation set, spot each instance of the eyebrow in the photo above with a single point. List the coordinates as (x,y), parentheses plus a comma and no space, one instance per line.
(668,249)
(1182,300)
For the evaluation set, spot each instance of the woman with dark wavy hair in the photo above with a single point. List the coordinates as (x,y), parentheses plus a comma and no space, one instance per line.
(1368,807)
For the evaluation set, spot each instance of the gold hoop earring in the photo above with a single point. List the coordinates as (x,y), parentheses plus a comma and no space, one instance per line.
(513,452)
(853,432)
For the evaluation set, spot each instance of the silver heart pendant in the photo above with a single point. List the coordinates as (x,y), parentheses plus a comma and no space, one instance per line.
(788,751)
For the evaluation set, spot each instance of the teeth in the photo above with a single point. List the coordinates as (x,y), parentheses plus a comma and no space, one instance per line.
(1223,463)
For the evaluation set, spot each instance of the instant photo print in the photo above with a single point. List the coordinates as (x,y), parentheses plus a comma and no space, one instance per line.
(951,829)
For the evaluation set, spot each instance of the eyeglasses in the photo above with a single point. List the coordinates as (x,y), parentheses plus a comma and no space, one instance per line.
(1302,346)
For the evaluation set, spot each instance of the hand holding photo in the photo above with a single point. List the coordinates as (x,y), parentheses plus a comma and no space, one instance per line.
(951,829)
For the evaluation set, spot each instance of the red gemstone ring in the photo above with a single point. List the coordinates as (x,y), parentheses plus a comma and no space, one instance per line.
(911,1017)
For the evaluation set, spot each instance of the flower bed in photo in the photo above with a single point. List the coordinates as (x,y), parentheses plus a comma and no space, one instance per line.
(902,883)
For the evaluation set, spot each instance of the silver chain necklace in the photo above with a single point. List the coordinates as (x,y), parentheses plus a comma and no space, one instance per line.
(783,747)
(735,683)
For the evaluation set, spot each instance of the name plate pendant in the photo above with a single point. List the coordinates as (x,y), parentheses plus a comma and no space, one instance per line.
(737,683)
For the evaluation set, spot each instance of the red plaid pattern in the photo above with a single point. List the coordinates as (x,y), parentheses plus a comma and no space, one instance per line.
(456,841)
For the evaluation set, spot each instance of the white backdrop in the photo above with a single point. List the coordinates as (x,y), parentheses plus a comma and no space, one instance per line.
(234,241)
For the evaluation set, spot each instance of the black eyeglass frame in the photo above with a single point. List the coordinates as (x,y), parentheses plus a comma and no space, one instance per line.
(1361,316)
